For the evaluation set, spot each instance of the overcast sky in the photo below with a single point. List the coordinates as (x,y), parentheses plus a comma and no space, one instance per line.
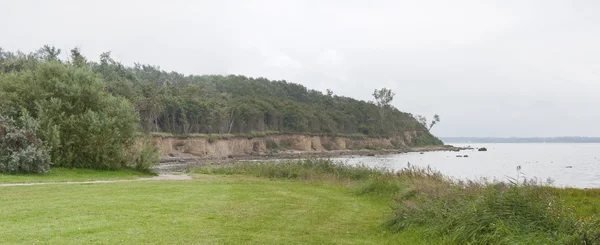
(489,68)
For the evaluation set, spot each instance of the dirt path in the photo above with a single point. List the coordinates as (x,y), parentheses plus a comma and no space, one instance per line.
(161,177)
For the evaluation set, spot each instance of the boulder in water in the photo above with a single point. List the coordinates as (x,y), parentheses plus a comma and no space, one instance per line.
(458,155)
(482,149)
(466,156)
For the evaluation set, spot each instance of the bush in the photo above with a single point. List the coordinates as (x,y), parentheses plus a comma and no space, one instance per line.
(21,151)
(272,145)
(81,124)
(212,138)
(145,155)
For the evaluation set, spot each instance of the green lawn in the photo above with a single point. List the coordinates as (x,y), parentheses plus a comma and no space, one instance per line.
(210,209)
(66,175)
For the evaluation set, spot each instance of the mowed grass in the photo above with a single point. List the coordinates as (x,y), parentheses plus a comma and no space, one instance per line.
(211,209)
(73,175)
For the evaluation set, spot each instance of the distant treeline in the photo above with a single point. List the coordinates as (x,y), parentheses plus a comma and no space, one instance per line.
(81,113)
(521,140)
(214,104)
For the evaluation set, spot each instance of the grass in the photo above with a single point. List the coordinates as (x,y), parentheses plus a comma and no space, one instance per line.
(72,175)
(455,212)
(211,209)
(300,202)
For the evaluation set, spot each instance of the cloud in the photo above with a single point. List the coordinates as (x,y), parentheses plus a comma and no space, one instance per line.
(489,68)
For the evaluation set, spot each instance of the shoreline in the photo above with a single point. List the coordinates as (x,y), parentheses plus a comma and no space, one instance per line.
(174,164)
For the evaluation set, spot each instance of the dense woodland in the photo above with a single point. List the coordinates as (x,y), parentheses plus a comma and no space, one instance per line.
(73,98)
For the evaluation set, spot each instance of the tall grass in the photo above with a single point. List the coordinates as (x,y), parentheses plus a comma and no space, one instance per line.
(311,169)
(461,212)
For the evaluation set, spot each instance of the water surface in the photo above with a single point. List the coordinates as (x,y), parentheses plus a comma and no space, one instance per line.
(568,165)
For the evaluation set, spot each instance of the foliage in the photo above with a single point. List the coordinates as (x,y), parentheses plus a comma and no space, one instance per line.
(80,124)
(425,140)
(423,121)
(21,151)
(170,102)
(272,145)
(383,98)
(145,155)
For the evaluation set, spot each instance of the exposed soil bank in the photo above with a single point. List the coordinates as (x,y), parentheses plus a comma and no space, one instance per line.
(179,152)
(281,145)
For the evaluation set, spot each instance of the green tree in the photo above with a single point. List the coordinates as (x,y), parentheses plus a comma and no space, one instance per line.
(383,98)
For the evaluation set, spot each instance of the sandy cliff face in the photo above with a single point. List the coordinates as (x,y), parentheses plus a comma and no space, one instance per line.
(223,148)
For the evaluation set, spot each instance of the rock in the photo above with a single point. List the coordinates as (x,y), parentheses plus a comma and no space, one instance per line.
(422,153)
(466,156)
(569,166)
(370,155)
(482,149)
(171,154)
(459,156)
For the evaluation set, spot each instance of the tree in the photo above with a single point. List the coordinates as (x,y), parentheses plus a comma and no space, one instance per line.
(383,98)
(77,59)
(423,121)
(434,121)
(48,53)
(329,93)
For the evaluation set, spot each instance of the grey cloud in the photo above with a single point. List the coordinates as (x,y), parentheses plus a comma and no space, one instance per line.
(489,68)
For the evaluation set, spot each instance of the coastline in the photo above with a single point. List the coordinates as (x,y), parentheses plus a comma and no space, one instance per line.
(180,163)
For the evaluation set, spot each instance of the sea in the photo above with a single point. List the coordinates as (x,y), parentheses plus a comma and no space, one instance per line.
(575,165)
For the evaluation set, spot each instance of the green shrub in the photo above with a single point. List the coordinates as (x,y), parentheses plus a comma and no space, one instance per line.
(21,151)
(426,139)
(272,145)
(80,123)
(145,155)
(212,138)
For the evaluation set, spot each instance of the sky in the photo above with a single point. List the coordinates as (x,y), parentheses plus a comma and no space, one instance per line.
(488,68)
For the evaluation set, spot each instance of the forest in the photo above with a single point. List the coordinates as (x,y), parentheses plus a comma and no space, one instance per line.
(75,108)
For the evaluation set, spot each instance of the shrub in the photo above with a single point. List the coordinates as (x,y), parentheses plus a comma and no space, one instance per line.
(21,151)
(272,145)
(145,155)
(212,138)
(81,124)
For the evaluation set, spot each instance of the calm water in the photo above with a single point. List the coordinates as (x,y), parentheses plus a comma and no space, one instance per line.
(568,165)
